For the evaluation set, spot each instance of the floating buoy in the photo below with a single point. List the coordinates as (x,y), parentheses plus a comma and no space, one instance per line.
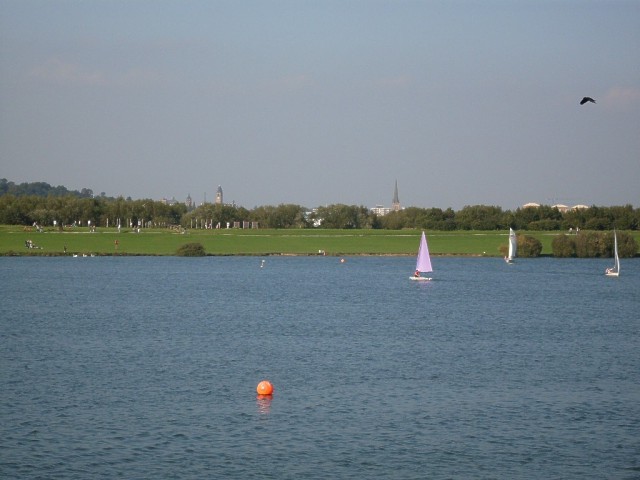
(264,388)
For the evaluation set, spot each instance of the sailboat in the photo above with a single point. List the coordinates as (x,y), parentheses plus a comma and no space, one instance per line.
(423,263)
(615,270)
(513,246)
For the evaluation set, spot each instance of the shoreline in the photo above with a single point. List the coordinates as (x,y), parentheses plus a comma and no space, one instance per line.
(332,255)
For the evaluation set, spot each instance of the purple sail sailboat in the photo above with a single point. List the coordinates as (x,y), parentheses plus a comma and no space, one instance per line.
(423,263)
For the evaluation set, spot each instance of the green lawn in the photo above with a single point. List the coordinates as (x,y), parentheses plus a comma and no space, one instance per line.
(258,242)
(249,242)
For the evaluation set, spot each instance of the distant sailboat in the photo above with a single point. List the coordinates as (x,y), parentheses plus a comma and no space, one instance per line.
(513,246)
(423,263)
(615,270)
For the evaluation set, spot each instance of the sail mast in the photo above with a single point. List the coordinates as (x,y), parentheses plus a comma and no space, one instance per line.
(615,252)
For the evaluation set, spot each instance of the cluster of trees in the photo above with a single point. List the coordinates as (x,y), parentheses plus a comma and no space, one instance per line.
(582,244)
(589,244)
(193,249)
(25,204)
(528,247)
(41,189)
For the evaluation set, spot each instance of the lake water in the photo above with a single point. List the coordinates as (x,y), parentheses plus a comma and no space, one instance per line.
(147,368)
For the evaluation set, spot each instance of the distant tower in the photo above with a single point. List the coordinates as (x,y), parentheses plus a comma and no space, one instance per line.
(188,202)
(219,195)
(395,204)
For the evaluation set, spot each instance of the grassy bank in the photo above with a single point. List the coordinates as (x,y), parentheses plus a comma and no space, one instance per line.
(108,241)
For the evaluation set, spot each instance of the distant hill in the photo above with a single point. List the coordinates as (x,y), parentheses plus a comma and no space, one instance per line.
(40,189)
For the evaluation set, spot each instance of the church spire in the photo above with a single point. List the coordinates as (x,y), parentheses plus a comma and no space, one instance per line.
(395,204)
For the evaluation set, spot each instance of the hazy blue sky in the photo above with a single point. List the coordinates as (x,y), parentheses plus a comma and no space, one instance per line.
(319,102)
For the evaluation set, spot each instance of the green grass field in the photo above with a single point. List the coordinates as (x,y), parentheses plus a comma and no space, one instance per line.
(257,242)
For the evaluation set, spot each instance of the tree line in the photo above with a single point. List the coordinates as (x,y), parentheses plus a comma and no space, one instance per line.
(19,207)
(589,244)
(543,218)
(41,189)
(580,244)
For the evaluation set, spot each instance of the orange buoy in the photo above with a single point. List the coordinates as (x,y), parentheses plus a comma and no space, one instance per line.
(264,388)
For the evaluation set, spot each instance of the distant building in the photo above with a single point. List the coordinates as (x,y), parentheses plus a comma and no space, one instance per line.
(219,200)
(189,202)
(381,211)
(311,216)
(170,202)
(561,208)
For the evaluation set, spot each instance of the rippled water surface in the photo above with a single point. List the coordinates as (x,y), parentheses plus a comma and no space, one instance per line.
(147,368)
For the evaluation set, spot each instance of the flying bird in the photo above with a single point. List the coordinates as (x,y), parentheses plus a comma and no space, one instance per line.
(587,99)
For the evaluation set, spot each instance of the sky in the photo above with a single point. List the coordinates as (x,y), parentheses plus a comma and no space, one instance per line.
(318,102)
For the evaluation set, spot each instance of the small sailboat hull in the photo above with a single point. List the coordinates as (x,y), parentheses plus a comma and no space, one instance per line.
(420,279)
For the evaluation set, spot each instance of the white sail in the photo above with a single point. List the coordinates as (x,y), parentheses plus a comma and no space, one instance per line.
(513,246)
(615,270)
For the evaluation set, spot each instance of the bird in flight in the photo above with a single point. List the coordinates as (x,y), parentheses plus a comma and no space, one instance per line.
(587,99)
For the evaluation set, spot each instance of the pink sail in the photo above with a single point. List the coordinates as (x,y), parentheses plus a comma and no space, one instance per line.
(423,264)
